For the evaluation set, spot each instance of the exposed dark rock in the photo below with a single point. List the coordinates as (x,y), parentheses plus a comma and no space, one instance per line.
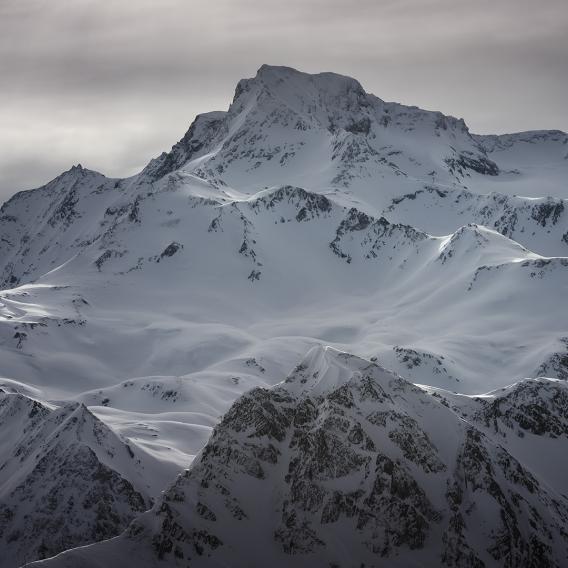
(170,250)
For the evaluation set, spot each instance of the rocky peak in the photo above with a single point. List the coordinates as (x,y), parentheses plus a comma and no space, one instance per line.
(345,452)
(65,480)
(294,87)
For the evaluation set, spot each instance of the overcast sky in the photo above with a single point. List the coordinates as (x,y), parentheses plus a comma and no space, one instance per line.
(112,83)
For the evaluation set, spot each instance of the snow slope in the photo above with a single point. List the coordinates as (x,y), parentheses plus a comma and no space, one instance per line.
(537,223)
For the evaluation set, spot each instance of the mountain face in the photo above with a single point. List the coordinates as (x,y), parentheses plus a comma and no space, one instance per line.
(347,464)
(66,479)
(319,132)
(416,263)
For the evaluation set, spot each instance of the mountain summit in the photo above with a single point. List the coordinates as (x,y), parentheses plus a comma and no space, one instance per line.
(282,117)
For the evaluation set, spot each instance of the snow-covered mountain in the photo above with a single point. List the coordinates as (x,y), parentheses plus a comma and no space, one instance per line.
(319,132)
(347,464)
(66,479)
(309,214)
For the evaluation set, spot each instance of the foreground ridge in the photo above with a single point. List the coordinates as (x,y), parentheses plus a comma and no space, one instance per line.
(66,479)
(347,463)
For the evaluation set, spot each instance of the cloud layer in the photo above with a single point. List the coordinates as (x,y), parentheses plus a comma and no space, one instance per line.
(112,83)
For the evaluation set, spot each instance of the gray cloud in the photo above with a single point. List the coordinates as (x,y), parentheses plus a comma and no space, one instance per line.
(112,83)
